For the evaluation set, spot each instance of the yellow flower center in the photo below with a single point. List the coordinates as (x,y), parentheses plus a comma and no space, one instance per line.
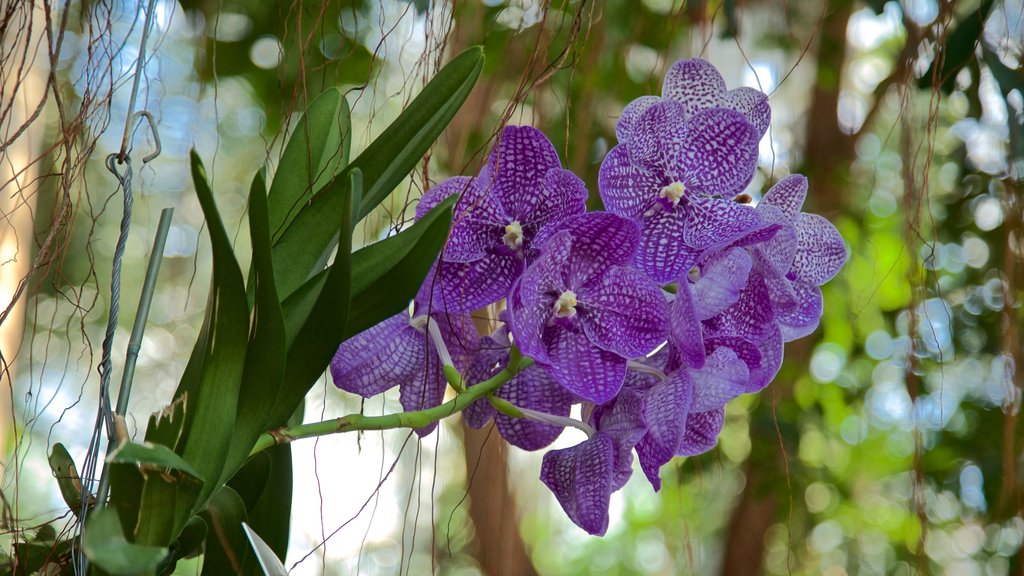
(565,306)
(673,192)
(513,237)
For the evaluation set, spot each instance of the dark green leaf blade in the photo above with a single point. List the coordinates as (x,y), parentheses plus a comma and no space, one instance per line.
(317,150)
(107,548)
(304,247)
(226,545)
(265,356)
(387,275)
(324,327)
(152,456)
(214,373)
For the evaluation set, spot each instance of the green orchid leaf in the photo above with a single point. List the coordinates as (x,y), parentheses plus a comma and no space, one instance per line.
(316,151)
(68,481)
(108,549)
(226,545)
(214,373)
(151,457)
(324,327)
(265,357)
(303,249)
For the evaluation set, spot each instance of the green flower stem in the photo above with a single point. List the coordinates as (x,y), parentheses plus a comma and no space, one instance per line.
(417,419)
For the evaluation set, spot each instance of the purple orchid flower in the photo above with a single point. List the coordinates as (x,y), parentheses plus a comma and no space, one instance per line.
(697,85)
(533,389)
(676,176)
(797,263)
(398,352)
(521,189)
(581,312)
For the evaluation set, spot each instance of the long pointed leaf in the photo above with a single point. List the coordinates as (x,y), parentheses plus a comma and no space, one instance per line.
(212,381)
(226,546)
(387,275)
(317,150)
(265,356)
(303,248)
(322,331)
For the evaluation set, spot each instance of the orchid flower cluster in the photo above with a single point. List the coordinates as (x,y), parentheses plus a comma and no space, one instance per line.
(653,314)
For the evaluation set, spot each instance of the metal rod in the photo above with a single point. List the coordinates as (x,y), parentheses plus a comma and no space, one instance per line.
(149,285)
(135,342)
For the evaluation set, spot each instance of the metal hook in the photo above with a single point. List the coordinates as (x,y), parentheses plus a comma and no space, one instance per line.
(153,130)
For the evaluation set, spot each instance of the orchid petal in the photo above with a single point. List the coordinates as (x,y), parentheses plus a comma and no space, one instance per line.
(665,409)
(580,478)
(626,314)
(380,357)
(627,188)
(820,252)
(584,369)
(533,389)
(717,154)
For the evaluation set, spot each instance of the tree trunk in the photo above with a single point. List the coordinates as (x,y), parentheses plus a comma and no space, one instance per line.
(499,548)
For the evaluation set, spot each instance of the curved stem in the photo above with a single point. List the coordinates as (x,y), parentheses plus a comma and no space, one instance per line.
(417,419)
(645,369)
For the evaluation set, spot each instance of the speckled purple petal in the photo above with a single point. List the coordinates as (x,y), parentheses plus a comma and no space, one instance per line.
(803,319)
(722,278)
(627,121)
(713,222)
(820,252)
(520,161)
(723,377)
(455,185)
(779,250)
(626,313)
(528,321)
(626,188)
(623,420)
(660,135)
(665,409)
(380,357)
(780,289)
(718,154)
(424,391)
(464,287)
(771,359)
(661,253)
(490,359)
(600,240)
(751,317)
(477,225)
(787,195)
(685,331)
(561,196)
(698,85)
(695,83)
(744,349)
(533,389)
(580,478)
(701,433)
(754,106)
(584,369)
